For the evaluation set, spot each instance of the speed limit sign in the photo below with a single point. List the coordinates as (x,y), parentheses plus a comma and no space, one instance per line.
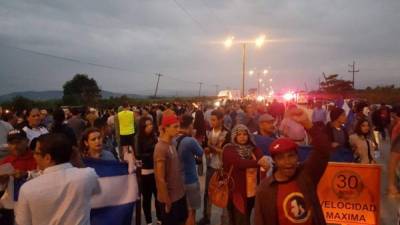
(350,194)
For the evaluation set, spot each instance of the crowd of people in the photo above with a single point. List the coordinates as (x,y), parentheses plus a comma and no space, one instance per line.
(256,144)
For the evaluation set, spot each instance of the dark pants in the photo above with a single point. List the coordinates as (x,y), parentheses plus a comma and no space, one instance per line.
(177,215)
(149,189)
(238,218)
(207,204)
(382,132)
(6,217)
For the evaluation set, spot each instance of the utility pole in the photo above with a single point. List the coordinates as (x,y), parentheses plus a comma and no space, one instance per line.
(158,80)
(353,70)
(200,84)
(319,84)
(244,70)
(216,89)
(258,84)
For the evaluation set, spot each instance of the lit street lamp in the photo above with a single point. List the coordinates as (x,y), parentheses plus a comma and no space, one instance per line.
(258,43)
(259,80)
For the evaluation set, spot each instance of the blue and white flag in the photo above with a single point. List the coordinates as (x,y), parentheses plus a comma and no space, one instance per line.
(119,192)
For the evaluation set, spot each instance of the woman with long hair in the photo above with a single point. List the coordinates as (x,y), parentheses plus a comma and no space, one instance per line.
(362,144)
(199,125)
(146,140)
(91,145)
(245,160)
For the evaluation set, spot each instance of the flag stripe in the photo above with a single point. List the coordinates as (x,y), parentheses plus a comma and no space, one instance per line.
(102,167)
(119,215)
(116,190)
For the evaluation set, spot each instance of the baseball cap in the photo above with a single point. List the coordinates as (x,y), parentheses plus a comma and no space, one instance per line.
(266,118)
(16,135)
(282,145)
(169,120)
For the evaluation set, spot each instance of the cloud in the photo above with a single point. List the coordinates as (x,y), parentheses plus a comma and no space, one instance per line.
(179,40)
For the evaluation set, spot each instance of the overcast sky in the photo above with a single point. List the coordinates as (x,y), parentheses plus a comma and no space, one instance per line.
(122,44)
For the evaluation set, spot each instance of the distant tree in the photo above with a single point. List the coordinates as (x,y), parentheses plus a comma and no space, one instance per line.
(20,103)
(332,84)
(81,90)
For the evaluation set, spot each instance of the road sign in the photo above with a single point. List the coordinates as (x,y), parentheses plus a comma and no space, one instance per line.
(349,194)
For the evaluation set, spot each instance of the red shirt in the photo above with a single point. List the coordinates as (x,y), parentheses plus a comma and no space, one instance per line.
(23,162)
(292,209)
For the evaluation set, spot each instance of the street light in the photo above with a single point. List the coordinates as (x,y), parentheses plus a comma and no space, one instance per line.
(229,41)
(259,80)
(259,41)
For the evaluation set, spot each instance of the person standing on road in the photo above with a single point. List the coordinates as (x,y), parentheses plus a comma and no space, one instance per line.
(290,126)
(169,175)
(91,145)
(76,122)
(266,133)
(126,131)
(381,119)
(289,196)
(21,158)
(216,138)
(244,159)
(340,137)
(362,144)
(188,150)
(319,114)
(146,141)
(61,195)
(33,129)
(394,153)
(5,127)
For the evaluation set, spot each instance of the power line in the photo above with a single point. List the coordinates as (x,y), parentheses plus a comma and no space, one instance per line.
(190,16)
(67,58)
(216,16)
(79,61)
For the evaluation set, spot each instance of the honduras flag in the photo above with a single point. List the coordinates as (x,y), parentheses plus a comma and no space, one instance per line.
(119,192)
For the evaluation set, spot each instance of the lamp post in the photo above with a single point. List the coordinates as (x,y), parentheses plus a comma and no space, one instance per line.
(258,43)
(259,80)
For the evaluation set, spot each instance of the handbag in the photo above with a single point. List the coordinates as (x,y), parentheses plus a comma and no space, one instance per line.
(218,188)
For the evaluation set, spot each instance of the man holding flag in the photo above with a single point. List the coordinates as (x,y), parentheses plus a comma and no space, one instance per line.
(62,194)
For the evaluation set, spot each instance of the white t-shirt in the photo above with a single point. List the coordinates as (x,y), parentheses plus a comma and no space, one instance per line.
(33,133)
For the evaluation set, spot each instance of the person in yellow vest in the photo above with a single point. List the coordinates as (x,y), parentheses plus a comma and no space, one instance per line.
(126,129)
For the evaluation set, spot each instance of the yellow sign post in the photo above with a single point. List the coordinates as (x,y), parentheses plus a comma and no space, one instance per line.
(350,194)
